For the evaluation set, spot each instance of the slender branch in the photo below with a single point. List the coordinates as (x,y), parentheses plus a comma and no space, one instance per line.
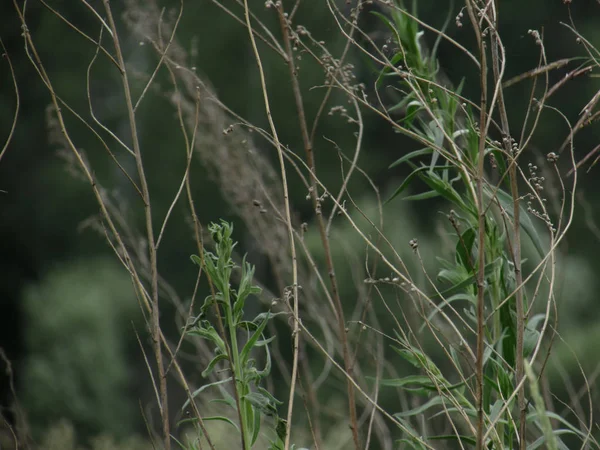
(17,100)
(314,194)
(288,218)
(471,5)
(155,321)
(516,239)
(122,248)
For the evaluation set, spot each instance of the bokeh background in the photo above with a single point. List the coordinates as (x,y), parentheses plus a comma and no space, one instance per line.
(68,315)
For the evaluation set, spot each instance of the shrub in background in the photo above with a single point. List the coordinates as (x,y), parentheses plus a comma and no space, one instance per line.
(76,363)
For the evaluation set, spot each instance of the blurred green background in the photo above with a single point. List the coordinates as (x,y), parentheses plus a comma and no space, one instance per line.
(67,309)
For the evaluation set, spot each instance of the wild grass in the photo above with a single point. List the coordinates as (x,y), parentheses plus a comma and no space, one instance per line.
(351,340)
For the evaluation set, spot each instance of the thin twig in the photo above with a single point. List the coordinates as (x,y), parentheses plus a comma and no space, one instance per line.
(17,100)
(155,327)
(288,218)
(471,7)
(314,194)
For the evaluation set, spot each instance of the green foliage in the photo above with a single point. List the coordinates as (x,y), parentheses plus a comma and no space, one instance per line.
(433,117)
(77,365)
(62,436)
(250,400)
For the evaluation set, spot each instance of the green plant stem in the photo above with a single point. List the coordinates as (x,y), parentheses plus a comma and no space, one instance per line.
(496,299)
(538,400)
(481,225)
(239,385)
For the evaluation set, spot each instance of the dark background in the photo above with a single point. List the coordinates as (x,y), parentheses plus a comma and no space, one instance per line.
(50,262)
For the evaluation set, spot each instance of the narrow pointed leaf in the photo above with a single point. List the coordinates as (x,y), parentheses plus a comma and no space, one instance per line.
(466,282)
(422,196)
(252,341)
(409,178)
(506,201)
(436,401)
(206,386)
(453,437)
(211,365)
(411,155)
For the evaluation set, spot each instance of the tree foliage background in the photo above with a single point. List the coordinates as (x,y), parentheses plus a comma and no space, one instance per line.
(67,309)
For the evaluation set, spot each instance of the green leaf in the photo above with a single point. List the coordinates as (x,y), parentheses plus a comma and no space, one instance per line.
(270,396)
(208,302)
(211,270)
(205,330)
(413,107)
(560,419)
(229,401)
(268,314)
(453,437)
(196,260)
(444,188)
(446,302)
(409,179)
(419,380)
(206,386)
(252,341)
(504,381)
(453,275)
(246,278)
(466,282)
(411,155)
(413,440)
(435,401)
(539,442)
(506,201)
(389,24)
(255,427)
(531,337)
(423,196)
(422,361)
(281,429)
(264,342)
(464,248)
(388,70)
(222,419)
(262,403)
(211,365)
(417,383)
(263,373)
(414,444)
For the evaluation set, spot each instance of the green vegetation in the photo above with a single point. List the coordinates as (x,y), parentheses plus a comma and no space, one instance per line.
(77,325)
(250,400)
(403,217)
